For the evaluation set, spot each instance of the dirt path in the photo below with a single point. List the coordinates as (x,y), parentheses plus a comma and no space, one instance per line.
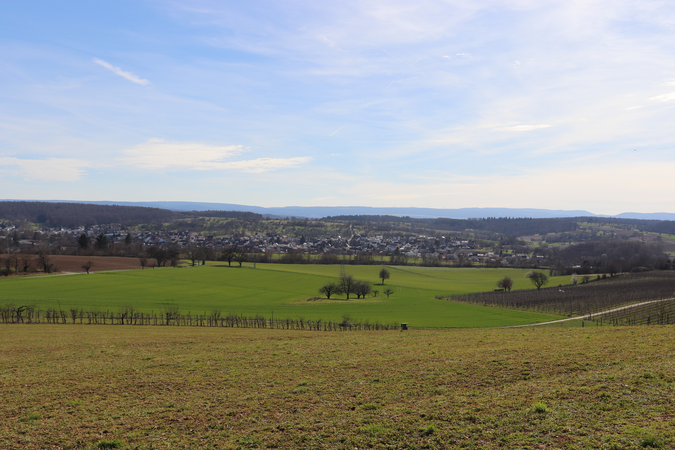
(623,308)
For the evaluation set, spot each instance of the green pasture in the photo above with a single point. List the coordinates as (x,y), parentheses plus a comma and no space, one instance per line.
(282,291)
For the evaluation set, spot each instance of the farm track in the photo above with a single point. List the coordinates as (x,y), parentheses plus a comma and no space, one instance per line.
(588,316)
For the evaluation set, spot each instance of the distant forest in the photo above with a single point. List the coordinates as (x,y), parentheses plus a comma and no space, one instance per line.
(71,215)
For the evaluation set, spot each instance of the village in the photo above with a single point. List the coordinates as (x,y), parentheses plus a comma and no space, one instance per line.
(428,249)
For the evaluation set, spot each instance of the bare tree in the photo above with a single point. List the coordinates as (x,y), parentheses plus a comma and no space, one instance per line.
(229,254)
(388,292)
(160,254)
(384,275)
(13,261)
(538,279)
(193,254)
(361,289)
(505,283)
(329,289)
(143,261)
(86,266)
(241,256)
(26,261)
(346,284)
(44,260)
(205,253)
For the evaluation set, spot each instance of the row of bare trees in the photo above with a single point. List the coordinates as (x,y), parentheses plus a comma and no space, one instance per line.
(29,314)
(348,285)
(25,262)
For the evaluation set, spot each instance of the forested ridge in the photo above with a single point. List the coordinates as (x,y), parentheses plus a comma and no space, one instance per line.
(70,215)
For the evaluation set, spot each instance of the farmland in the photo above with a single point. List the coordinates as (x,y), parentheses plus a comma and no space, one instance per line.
(282,291)
(73,386)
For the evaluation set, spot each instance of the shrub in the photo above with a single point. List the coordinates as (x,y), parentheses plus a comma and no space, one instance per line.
(428,431)
(650,442)
(540,408)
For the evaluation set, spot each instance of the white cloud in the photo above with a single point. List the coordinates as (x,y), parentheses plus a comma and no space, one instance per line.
(50,169)
(523,127)
(264,164)
(116,70)
(664,97)
(159,154)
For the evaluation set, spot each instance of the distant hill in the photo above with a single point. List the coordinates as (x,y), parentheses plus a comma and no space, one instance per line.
(313,212)
(74,214)
(646,216)
(71,214)
(163,211)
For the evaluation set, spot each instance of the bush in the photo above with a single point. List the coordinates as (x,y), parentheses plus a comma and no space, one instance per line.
(650,442)
(540,408)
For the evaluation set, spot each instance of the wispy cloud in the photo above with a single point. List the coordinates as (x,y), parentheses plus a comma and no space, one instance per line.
(127,75)
(264,164)
(158,154)
(664,97)
(49,169)
(523,127)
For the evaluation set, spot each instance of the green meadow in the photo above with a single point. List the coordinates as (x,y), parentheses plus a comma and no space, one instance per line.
(281,291)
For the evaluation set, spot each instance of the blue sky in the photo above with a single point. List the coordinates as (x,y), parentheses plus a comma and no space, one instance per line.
(447,104)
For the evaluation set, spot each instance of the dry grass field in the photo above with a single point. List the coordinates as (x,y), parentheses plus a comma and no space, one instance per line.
(88,387)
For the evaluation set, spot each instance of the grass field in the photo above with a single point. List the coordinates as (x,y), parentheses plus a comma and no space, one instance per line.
(89,387)
(282,291)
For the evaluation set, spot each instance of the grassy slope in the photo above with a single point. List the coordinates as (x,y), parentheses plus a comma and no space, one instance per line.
(74,386)
(278,289)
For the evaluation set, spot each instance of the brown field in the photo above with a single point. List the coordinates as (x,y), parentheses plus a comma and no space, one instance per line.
(68,263)
(92,387)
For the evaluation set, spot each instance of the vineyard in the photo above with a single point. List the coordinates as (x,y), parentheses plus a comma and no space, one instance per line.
(592,298)
(655,313)
(11,314)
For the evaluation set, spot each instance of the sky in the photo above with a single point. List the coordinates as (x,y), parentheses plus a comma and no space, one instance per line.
(445,104)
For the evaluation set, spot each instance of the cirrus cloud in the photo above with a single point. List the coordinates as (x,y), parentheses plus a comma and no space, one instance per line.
(159,154)
(49,169)
(127,75)
(523,127)
(664,97)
